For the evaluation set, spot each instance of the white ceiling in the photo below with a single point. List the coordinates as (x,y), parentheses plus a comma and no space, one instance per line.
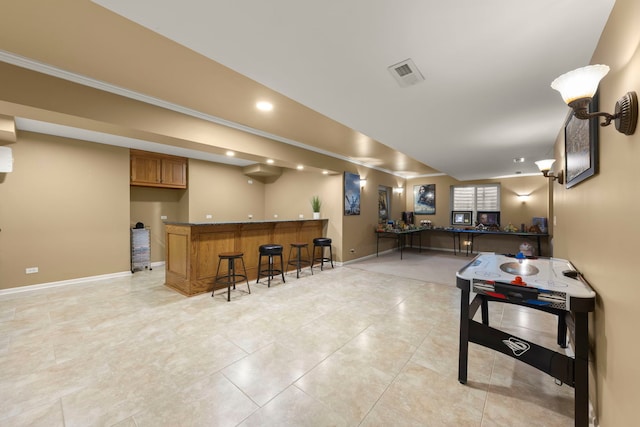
(487,65)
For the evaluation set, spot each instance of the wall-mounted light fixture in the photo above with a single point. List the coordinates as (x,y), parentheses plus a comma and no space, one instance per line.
(545,168)
(363,182)
(398,190)
(578,87)
(524,197)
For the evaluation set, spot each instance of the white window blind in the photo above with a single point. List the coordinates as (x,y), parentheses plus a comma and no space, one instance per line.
(475,197)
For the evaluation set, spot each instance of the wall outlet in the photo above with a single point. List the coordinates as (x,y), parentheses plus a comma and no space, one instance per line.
(163,217)
(208,216)
(31,270)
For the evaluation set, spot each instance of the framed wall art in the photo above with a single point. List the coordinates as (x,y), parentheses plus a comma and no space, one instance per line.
(581,147)
(424,199)
(383,204)
(461,217)
(489,218)
(351,194)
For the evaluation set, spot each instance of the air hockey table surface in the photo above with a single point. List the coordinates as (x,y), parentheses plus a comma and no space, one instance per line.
(551,281)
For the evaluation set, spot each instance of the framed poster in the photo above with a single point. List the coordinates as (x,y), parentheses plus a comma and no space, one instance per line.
(424,199)
(383,204)
(581,147)
(351,194)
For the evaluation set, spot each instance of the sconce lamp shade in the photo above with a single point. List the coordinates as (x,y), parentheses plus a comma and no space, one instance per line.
(580,83)
(545,168)
(363,182)
(545,165)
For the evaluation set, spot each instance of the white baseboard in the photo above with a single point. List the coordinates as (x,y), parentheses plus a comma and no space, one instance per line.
(70,282)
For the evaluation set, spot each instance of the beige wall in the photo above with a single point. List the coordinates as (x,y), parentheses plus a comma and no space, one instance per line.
(223,192)
(597,231)
(63,209)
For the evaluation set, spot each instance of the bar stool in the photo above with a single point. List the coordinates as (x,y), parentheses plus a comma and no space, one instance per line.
(232,277)
(321,243)
(270,251)
(299,262)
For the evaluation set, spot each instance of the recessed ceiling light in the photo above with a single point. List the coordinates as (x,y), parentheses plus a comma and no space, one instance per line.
(264,106)
(518,160)
(270,161)
(325,172)
(300,167)
(230,153)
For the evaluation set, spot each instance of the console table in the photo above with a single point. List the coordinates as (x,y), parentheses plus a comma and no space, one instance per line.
(400,236)
(473,234)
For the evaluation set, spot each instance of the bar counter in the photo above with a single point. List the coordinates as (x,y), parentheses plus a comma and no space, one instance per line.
(192,248)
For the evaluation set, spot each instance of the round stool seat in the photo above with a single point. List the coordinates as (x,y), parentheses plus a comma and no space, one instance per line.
(270,249)
(228,255)
(299,245)
(322,241)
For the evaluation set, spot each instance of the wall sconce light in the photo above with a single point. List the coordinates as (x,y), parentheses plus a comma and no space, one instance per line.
(545,167)
(398,190)
(363,182)
(578,87)
(524,197)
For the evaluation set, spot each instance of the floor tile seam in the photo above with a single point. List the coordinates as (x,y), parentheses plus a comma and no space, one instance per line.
(486,396)
(527,384)
(320,402)
(258,406)
(393,381)
(526,398)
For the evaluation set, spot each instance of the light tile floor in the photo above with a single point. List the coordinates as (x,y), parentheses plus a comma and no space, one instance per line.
(344,347)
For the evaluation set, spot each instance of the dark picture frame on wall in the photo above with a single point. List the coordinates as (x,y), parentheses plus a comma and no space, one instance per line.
(351,194)
(581,147)
(489,218)
(424,199)
(461,217)
(383,204)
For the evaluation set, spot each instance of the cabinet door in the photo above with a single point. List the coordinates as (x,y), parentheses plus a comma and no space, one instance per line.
(145,170)
(174,173)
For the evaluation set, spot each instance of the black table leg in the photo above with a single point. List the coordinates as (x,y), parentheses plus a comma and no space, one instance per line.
(581,369)
(463,349)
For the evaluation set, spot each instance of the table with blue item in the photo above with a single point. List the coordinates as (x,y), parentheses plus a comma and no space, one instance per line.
(472,234)
(400,236)
(551,285)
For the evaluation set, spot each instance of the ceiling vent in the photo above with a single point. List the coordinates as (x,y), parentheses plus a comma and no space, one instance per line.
(406,73)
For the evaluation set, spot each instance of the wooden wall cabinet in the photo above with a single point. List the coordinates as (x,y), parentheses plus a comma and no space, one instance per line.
(158,170)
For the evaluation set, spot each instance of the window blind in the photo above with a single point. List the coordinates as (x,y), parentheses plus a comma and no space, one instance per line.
(475,197)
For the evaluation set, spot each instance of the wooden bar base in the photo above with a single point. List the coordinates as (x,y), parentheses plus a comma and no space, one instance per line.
(192,249)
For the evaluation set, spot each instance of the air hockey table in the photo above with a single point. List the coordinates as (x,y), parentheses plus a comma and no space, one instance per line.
(552,285)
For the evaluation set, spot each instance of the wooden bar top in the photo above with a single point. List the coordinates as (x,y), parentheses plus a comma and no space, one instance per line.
(192,248)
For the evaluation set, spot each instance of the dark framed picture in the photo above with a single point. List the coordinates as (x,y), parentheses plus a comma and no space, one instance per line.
(383,204)
(489,218)
(581,147)
(461,217)
(424,199)
(351,194)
